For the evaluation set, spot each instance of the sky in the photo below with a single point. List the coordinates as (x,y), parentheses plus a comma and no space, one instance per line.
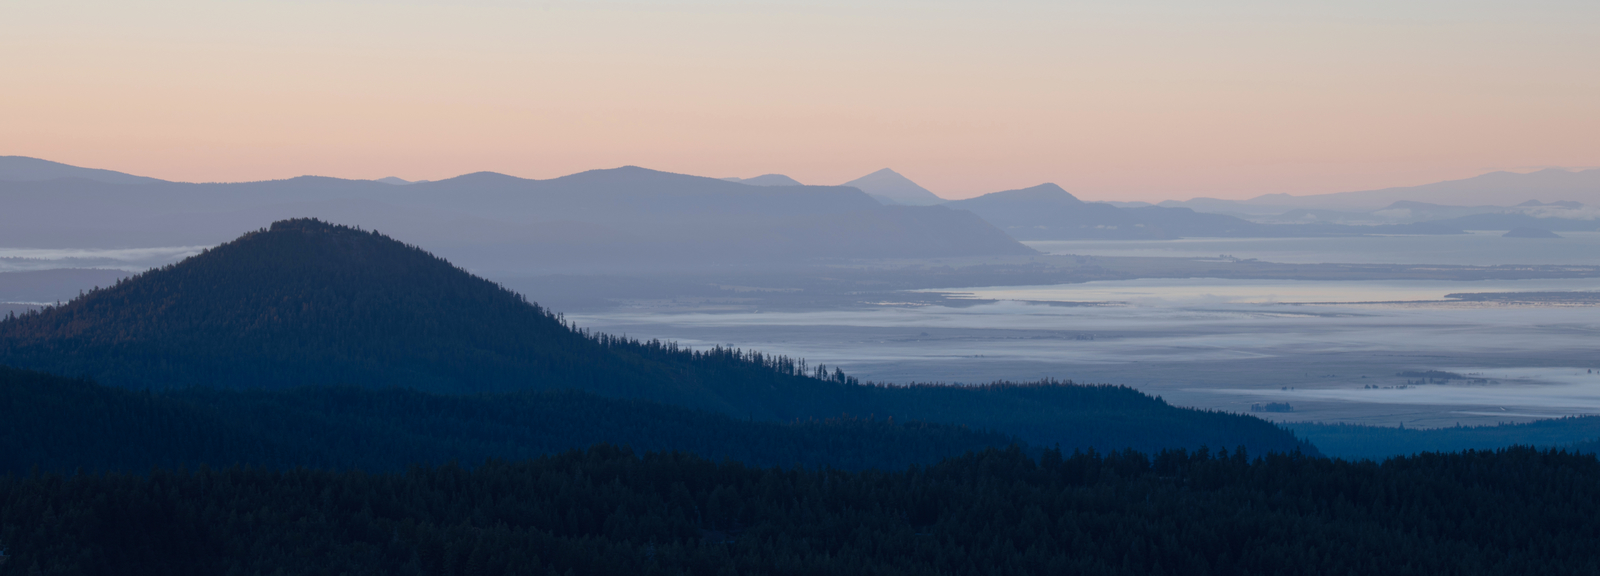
(1113,100)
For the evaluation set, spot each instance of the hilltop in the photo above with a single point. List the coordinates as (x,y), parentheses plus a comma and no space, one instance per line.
(306,302)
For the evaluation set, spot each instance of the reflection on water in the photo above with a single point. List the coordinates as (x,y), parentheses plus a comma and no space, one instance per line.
(1476,249)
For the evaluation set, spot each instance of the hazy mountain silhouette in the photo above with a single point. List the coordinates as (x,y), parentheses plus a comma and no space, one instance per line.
(767,180)
(393,180)
(309,303)
(25,169)
(1492,189)
(890,187)
(1569,204)
(625,218)
(1505,221)
(1047,212)
(1428,212)
(1530,233)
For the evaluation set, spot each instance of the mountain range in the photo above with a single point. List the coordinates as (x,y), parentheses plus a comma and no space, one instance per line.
(633,219)
(1048,212)
(618,219)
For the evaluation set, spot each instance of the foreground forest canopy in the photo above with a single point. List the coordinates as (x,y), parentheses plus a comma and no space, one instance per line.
(307,303)
(608,511)
(62,425)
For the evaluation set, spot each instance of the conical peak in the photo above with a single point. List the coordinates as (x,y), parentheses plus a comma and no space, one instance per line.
(884,176)
(1050,188)
(890,184)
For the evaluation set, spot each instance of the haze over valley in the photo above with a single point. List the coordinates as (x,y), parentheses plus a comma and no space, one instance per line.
(758,321)
(874,288)
(1201,308)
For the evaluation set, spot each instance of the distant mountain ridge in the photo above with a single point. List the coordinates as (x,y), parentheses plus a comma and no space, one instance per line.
(25,169)
(1495,189)
(1048,212)
(616,219)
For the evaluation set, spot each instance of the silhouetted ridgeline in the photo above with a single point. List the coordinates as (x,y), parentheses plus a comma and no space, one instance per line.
(609,512)
(618,219)
(1047,212)
(309,303)
(62,425)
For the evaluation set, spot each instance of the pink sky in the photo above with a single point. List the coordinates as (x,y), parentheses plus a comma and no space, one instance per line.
(1112,100)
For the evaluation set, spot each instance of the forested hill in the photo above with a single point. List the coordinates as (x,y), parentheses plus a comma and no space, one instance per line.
(56,424)
(310,303)
(306,302)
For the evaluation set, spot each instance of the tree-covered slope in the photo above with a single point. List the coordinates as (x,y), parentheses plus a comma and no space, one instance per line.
(306,303)
(607,511)
(58,424)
